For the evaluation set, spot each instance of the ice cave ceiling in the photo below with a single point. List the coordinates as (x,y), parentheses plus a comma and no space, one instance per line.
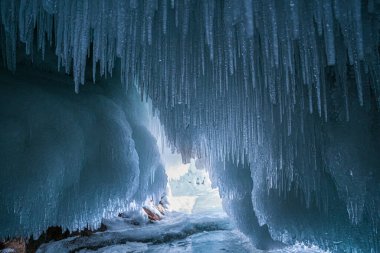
(280,98)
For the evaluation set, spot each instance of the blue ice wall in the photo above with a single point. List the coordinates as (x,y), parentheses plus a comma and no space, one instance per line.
(67,159)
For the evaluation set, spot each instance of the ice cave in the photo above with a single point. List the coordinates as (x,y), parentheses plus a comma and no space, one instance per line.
(190,126)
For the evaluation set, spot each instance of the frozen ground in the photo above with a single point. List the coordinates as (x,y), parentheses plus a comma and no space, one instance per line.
(178,232)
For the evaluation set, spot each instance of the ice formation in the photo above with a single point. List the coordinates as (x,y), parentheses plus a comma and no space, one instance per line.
(177,226)
(289,91)
(70,160)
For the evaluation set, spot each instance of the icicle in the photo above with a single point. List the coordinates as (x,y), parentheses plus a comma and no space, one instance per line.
(164,15)
(8,18)
(359,83)
(249,18)
(329,32)
(358,28)
(294,17)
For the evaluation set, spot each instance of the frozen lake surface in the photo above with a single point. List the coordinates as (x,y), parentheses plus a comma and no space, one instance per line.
(177,232)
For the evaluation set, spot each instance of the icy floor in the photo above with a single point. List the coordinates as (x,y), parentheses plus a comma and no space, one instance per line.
(178,232)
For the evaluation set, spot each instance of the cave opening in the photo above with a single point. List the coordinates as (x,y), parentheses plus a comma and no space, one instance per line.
(259,118)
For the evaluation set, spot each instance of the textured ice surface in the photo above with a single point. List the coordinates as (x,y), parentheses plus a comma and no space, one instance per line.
(175,233)
(174,226)
(287,90)
(70,160)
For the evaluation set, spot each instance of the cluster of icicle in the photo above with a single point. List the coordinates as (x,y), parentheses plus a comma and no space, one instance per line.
(248,79)
(174,46)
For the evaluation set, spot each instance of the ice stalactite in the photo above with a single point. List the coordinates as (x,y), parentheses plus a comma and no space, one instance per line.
(227,40)
(152,176)
(267,83)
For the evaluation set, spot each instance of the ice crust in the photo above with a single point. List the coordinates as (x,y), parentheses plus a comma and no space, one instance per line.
(177,232)
(174,226)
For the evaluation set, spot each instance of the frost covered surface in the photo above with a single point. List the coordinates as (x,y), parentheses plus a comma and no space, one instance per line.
(177,232)
(70,160)
(288,91)
(173,227)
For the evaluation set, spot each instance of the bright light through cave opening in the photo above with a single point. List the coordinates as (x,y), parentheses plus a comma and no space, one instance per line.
(189,188)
